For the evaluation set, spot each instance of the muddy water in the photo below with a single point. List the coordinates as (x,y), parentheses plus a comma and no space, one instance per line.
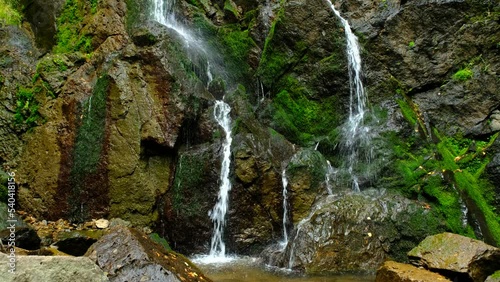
(250,270)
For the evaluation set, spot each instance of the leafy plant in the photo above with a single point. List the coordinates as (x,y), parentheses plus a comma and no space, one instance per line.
(411,44)
(27,107)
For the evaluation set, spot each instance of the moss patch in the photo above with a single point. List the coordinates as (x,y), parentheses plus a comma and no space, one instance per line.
(88,154)
(447,173)
(70,23)
(8,14)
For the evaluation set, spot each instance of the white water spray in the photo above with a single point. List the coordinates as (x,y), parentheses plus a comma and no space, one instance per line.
(218,214)
(354,132)
(284,180)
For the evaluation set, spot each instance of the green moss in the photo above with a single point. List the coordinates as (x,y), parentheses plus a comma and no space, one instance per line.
(229,6)
(496,275)
(8,13)
(463,74)
(446,173)
(69,25)
(160,240)
(90,135)
(300,118)
(89,145)
(188,182)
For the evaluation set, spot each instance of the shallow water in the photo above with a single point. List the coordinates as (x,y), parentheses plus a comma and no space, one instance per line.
(250,270)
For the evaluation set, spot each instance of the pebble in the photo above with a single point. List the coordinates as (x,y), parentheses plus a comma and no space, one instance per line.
(102,223)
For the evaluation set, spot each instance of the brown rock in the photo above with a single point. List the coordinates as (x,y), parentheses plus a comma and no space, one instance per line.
(129,255)
(456,254)
(401,272)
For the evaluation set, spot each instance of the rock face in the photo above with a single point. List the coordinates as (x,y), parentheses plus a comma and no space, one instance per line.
(400,272)
(354,232)
(51,268)
(122,125)
(456,254)
(128,255)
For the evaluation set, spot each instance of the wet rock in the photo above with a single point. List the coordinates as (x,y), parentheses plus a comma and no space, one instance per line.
(51,268)
(355,232)
(400,272)
(129,255)
(457,255)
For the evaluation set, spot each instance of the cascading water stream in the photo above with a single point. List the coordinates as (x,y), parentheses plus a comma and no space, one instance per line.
(330,172)
(354,133)
(284,180)
(163,12)
(218,214)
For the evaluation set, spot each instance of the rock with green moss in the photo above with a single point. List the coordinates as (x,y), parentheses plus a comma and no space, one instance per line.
(457,255)
(495,277)
(356,232)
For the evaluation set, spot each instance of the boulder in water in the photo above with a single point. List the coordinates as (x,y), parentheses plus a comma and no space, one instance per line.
(355,232)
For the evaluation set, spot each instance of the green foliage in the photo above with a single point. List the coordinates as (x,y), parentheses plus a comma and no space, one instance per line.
(463,74)
(411,44)
(27,107)
(446,173)
(301,118)
(8,13)
(160,240)
(69,25)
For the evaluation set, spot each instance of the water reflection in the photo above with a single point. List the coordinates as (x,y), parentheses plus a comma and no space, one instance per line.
(248,269)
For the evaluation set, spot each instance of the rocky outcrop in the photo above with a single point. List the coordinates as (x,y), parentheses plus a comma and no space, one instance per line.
(355,232)
(128,255)
(400,272)
(456,255)
(50,268)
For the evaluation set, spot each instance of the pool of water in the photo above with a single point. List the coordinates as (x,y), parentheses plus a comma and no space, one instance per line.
(247,269)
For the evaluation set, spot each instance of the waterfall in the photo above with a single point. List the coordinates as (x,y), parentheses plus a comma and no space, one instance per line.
(163,12)
(354,133)
(218,214)
(285,208)
(330,172)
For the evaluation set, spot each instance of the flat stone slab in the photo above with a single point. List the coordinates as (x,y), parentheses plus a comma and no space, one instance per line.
(51,268)
(455,253)
(400,272)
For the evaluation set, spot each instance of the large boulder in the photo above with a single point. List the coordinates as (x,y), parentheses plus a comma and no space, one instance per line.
(50,268)
(401,272)
(126,254)
(355,232)
(456,255)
